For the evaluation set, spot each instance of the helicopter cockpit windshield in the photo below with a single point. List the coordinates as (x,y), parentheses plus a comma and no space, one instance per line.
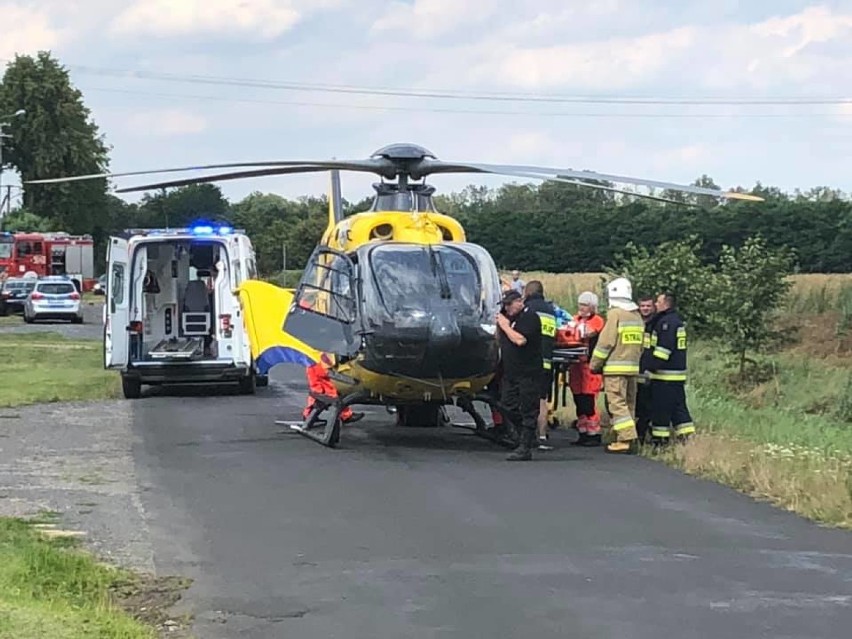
(411,282)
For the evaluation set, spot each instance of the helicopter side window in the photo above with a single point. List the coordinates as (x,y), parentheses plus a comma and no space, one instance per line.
(326,288)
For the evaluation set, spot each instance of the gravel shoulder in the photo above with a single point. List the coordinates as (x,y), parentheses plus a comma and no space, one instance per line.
(76,460)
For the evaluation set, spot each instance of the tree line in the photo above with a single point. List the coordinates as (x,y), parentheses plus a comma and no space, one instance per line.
(549,226)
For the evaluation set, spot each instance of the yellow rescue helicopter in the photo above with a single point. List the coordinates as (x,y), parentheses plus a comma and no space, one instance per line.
(395,299)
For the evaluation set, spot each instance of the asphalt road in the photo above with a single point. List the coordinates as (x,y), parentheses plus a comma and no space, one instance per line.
(424,533)
(414,533)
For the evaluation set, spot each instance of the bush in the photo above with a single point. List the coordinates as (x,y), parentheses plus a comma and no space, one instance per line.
(285,279)
(673,267)
(733,301)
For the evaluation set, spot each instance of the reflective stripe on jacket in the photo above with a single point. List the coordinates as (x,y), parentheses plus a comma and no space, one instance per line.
(668,348)
(619,346)
(547,314)
(648,342)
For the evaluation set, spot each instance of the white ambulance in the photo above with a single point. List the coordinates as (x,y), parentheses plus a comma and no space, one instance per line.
(171,313)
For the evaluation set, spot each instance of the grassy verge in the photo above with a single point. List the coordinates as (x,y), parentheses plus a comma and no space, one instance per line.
(785,437)
(48,588)
(46,367)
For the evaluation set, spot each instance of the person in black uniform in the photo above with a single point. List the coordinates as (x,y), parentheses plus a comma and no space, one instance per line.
(520,349)
(534,299)
(644,405)
(668,371)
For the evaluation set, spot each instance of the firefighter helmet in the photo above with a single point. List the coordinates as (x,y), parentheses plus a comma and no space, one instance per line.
(620,288)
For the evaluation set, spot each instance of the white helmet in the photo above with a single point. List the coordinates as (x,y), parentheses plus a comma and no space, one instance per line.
(620,288)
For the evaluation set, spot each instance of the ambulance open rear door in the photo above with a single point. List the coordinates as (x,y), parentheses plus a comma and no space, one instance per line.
(117,305)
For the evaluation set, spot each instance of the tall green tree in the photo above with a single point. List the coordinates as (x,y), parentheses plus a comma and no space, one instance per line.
(56,138)
(183,206)
(750,285)
(23,221)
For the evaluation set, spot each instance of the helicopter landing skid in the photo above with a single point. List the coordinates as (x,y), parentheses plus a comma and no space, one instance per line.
(330,434)
(504,435)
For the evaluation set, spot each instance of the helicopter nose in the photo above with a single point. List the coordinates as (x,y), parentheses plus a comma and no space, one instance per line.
(444,331)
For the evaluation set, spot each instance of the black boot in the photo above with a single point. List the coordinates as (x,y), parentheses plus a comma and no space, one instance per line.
(592,441)
(524,450)
(581,440)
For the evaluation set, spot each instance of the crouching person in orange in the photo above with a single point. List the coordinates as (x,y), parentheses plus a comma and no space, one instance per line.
(584,384)
(320,383)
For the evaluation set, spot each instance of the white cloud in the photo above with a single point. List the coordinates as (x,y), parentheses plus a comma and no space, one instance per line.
(167,123)
(561,46)
(425,19)
(263,18)
(26,30)
(812,45)
(599,65)
(812,25)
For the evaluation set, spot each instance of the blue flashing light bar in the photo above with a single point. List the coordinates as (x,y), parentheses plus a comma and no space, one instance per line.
(199,230)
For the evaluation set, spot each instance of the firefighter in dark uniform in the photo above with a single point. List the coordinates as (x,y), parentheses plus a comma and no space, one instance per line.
(667,371)
(648,311)
(520,350)
(534,299)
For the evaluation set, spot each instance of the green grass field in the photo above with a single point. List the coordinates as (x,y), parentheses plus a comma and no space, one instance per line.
(46,367)
(787,439)
(50,589)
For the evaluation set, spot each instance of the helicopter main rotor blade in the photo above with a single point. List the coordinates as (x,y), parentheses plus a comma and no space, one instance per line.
(237,175)
(379,166)
(427,167)
(602,187)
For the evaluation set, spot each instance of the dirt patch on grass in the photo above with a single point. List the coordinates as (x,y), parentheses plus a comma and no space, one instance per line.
(150,599)
(818,336)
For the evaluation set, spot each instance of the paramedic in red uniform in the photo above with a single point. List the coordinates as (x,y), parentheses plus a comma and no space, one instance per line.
(584,384)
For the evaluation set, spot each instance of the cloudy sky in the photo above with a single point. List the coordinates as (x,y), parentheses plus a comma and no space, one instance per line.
(215,83)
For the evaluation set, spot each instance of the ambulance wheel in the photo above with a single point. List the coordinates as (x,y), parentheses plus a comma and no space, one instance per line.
(248,384)
(131,387)
(261,381)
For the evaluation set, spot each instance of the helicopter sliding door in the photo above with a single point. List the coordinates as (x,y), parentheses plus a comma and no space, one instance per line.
(324,312)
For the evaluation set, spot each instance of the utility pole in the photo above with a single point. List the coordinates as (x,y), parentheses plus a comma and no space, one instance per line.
(16,114)
(283,257)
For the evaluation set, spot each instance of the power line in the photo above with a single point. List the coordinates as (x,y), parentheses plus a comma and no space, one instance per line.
(566,114)
(456,95)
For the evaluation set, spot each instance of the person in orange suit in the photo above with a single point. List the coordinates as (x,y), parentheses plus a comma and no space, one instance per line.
(320,383)
(584,384)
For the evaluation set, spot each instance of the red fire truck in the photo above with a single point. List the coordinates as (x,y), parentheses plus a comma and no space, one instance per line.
(49,254)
